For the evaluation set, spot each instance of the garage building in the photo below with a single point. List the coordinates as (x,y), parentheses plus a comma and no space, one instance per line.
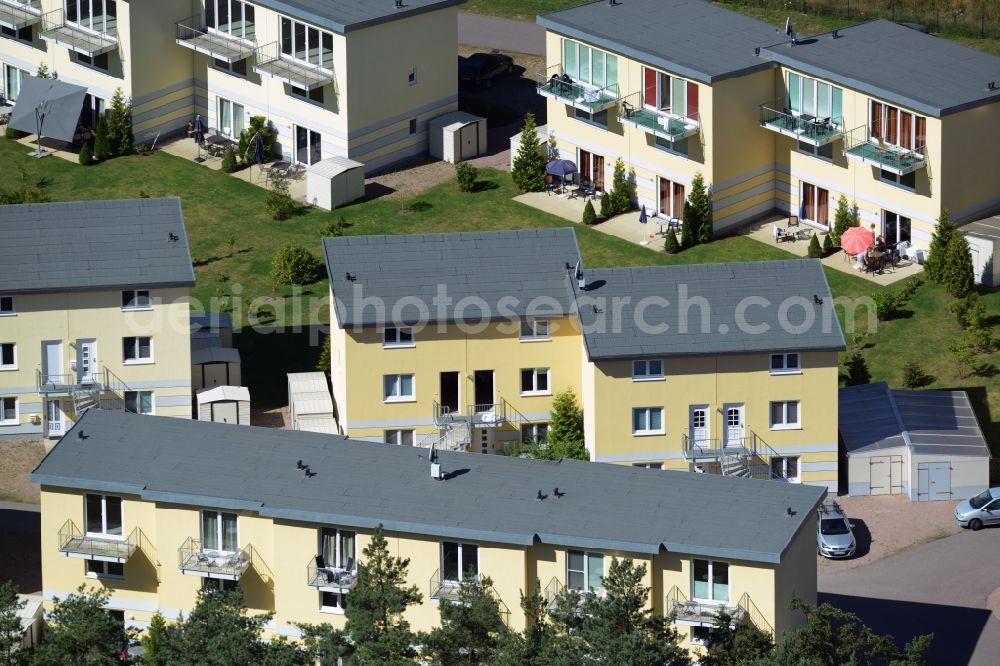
(925,444)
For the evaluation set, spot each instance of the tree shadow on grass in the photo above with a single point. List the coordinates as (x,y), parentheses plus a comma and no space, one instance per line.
(485,185)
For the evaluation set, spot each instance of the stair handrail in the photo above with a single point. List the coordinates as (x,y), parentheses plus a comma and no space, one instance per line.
(756,442)
(754,614)
(520,418)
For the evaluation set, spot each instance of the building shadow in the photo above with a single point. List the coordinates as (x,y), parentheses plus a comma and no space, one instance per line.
(956,629)
(269,354)
(20,549)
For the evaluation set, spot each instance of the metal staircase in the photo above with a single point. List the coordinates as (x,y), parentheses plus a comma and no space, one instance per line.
(106,392)
(454,431)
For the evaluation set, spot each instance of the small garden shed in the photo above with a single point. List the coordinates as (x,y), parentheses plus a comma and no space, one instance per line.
(984,243)
(335,182)
(215,366)
(925,444)
(457,136)
(224,404)
(310,406)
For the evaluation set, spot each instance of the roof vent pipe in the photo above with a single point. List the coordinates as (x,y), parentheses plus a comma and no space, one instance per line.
(835,34)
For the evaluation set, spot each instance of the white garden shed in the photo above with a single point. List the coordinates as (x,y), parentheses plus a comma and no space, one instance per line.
(335,182)
(925,444)
(215,366)
(224,404)
(983,237)
(310,406)
(457,136)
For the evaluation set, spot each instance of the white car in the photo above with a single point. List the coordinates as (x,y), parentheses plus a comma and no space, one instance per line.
(834,533)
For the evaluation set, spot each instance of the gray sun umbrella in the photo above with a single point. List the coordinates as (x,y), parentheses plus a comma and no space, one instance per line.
(48,107)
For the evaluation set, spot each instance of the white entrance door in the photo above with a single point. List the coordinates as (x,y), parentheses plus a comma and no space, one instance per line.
(52,362)
(86,361)
(53,418)
(699,425)
(734,425)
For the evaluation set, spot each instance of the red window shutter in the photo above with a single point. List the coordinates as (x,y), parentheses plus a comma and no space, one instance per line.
(692,95)
(649,86)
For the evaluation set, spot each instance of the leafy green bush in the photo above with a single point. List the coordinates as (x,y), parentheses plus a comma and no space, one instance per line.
(886,303)
(670,244)
(279,204)
(229,163)
(466,175)
(914,376)
(589,215)
(815,251)
(258,125)
(85,158)
(293,264)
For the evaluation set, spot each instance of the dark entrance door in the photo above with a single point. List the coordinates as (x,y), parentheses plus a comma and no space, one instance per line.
(484,390)
(449,392)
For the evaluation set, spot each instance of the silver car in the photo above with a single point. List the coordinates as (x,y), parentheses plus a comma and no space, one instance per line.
(834,535)
(983,509)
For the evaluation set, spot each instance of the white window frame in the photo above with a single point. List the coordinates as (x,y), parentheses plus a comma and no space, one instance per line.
(784,468)
(338,608)
(884,129)
(17,411)
(133,296)
(535,431)
(320,35)
(10,73)
(703,640)
(104,572)
(8,366)
(590,51)
(896,180)
(234,68)
(461,561)
(808,81)
(648,411)
(393,337)
(396,436)
(785,368)
(642,370)
(586,566)
(785,424)
(810,150)
(711,585)
(91,27)
(535,374)
(400,397)
(138,397)
(214,26)
(18,34)
(234,129)
(136,349)
(648,465)
(220,534)
(339,544)
(219,584)
(103,534)
(12,310)
(535,330)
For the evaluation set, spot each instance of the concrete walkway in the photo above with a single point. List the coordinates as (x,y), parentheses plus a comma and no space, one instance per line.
(492,32)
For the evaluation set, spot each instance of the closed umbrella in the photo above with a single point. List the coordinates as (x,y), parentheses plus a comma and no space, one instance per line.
(856,240)
(258,153)
(642,215)
(199,136)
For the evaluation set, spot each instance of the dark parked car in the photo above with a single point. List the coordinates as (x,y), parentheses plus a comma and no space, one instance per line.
(482,68)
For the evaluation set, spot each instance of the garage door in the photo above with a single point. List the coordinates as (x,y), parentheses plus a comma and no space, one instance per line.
(225,412)
(933,481)
(886,475)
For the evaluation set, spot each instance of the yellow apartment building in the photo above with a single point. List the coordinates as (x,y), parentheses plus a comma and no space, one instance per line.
(94,312)
(156,508)
(350,78)
(892,118)
(461,340)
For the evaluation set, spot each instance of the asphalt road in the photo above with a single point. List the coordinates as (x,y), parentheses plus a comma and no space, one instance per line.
(492,32)
(940,587)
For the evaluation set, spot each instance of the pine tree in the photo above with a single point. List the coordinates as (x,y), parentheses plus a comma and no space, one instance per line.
(936,259)
(814,251)
(154,642)
(842,218)
(828,244)
(538,644)
(86,156)
(565,435)
(956,271)
(10,622)
(102,147)
(120,125)
(470,630)
(856,369)
(671,245)
(620,200)
(375,624)
(698,210)
(323,364)
(689,233)
(528,168)
(620,628)
(589,215)
(80,631)
(732,642)
(43,72)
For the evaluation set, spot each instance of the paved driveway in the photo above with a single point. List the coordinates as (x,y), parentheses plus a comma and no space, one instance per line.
(943,587)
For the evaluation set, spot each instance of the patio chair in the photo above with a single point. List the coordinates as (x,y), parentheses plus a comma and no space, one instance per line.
(550,184)
(793,221)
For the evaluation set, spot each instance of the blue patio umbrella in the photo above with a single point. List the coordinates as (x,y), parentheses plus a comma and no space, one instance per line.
(642,215)
(561,168)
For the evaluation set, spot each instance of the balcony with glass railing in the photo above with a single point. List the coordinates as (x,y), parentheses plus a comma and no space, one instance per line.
(658,122)
(859,144)
(554,84)
(330,579)
(73,542)
(17,14)
(192,33)
(195,560)
(100,35)
(270,60)
(804,127)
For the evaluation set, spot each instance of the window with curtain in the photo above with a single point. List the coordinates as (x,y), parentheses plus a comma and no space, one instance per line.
(669,93)
(815,204)
(14,82)
(710,580)
(897,127)
(219,531)
(584,570)
(337,547)
(589,65)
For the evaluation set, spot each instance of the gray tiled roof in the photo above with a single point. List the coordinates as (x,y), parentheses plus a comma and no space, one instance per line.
(899,64)
(86,245)
(527,265)
(485,498)
(690,38)
(344,15)
(874,417)
(639,292)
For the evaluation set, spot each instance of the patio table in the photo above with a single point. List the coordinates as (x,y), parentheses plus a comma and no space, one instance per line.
(281,167)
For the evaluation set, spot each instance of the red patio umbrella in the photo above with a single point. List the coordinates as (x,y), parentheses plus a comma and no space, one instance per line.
(856,240)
